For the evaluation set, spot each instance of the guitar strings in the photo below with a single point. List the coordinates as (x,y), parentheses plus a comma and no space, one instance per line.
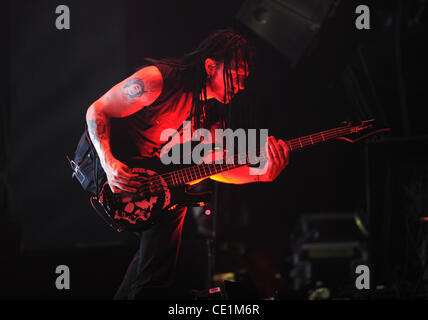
(185,173)
(291,143)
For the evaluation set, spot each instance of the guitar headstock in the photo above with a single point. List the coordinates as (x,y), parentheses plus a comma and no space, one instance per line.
(366,124)
(363,125)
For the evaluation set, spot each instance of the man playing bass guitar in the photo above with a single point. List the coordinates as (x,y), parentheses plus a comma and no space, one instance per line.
(164,94)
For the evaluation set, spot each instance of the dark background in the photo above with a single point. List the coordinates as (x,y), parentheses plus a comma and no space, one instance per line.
(54,76)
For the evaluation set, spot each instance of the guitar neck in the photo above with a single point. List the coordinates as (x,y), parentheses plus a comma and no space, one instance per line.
(318,138)
(197,172)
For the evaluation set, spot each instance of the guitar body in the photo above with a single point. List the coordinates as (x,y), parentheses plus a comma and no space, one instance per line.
(157,196)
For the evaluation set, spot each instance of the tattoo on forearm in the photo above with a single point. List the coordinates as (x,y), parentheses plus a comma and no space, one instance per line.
(134,88)
(97,128)
(99,132)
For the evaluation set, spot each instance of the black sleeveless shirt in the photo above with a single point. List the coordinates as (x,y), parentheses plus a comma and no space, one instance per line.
(138,135)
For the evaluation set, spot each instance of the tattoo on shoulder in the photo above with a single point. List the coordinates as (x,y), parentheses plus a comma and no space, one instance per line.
(134,88)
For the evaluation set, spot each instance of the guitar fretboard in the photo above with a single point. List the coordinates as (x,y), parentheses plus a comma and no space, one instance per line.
(196,172)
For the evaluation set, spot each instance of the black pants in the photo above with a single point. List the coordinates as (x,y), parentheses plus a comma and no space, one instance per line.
(151,274)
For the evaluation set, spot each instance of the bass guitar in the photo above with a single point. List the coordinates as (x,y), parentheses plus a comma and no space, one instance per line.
(166,187)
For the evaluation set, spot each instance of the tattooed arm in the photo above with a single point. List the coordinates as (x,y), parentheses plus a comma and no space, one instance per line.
(124,99)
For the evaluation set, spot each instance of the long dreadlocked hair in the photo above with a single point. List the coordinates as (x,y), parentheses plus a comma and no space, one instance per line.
(225,45)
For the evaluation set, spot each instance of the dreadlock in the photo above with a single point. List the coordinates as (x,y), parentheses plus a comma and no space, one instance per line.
(225,45)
